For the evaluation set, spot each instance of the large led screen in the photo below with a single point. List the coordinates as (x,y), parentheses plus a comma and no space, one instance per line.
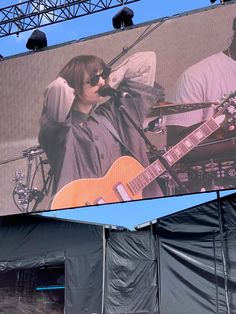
(73,116)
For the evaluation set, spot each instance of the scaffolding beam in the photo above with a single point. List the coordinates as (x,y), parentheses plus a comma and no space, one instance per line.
(31,14)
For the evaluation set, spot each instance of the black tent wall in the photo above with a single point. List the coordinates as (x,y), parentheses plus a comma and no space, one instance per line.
(183,263)
(131,273)
(197,259)
(34,241)
(180,264)
(190,262)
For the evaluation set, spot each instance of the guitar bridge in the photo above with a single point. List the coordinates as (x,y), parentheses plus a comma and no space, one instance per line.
(99,201)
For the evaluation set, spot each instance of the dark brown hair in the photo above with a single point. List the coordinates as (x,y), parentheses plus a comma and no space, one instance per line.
(75,70)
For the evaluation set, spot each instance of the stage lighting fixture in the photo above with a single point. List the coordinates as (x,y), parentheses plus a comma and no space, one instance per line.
(123,18)
(221,1)
(37,40)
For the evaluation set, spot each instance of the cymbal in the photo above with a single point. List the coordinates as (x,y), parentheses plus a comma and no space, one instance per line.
(168,108)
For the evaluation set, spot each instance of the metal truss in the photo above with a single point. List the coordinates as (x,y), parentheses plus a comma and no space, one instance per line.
(32,14)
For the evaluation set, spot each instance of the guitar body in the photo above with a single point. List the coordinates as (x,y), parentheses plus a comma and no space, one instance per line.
(111,188)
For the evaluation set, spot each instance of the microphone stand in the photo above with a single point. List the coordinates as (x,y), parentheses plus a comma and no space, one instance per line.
(153,152)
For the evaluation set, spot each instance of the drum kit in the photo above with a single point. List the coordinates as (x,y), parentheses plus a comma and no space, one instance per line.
(210,166)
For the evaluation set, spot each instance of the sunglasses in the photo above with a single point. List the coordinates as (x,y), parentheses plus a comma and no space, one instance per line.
(95,79)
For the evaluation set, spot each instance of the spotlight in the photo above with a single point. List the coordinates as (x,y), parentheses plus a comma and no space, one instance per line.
(221,1)
(37,40)
(123,18)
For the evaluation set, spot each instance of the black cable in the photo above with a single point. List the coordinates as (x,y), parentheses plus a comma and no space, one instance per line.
(145,33)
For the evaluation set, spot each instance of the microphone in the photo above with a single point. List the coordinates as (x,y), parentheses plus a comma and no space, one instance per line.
(107,90)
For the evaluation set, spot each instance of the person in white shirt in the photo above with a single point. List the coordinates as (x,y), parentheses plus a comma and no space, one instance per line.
(207,81)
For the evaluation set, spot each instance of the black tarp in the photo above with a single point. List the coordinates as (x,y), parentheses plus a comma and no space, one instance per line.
(180,264)
(35,241)
(197,259)
(190,262)
(131,274)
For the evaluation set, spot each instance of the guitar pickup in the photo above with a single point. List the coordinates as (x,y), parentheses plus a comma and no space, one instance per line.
(121,192)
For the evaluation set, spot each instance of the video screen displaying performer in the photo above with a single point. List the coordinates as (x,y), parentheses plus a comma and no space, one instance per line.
(164,78)
(83,139)
(202,88)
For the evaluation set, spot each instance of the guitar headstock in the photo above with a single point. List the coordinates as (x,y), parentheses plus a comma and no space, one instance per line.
(227,107)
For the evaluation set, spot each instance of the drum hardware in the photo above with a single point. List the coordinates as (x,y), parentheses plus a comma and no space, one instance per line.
(168,184)
(24,192)
(216,174)
(154,126)
(215,170)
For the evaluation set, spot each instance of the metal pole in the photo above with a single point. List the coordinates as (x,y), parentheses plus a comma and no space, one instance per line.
(103,266)
(223,252)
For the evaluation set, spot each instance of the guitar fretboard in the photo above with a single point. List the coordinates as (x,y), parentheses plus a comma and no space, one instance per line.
(173,155)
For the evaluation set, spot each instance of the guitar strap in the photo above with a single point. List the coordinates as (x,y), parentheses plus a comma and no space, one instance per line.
(108,125)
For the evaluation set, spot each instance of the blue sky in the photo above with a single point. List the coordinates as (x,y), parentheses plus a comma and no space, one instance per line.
(134,213)
(97,23)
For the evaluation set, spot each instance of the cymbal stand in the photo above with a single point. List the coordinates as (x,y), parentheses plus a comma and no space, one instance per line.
(47,181)
(25,191)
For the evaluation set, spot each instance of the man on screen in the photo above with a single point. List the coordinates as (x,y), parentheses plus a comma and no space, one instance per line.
(210,79)
(83,139)
(207,82)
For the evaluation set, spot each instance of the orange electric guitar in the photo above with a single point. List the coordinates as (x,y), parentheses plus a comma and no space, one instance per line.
(127,178)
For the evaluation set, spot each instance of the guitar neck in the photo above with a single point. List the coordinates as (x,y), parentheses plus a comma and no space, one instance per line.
(173,155)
